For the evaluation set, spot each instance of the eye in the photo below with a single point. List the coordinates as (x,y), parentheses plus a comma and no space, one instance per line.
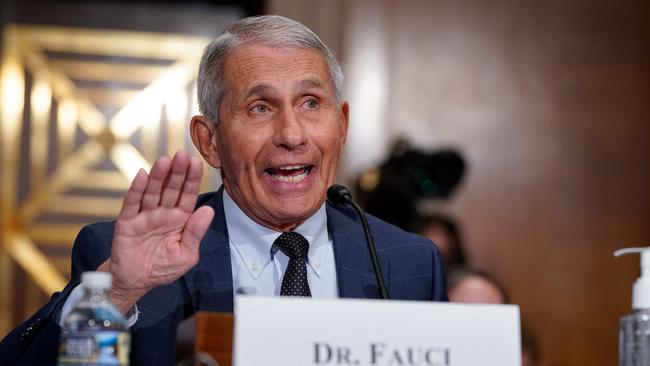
(260,108)
(311,103)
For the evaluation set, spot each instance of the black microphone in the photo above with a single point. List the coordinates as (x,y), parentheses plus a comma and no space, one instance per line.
(340,195)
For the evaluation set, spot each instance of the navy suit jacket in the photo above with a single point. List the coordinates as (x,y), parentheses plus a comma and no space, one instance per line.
(411,267)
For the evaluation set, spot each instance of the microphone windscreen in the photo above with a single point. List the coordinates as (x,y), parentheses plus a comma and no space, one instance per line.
(338,194)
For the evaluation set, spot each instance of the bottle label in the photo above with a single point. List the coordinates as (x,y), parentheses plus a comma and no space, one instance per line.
(98,347)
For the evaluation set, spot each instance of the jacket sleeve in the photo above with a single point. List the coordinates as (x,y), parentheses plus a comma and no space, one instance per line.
(36,340)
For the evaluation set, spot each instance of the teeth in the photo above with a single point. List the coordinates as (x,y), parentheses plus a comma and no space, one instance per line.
(292,167)
(291,179)
(296,173)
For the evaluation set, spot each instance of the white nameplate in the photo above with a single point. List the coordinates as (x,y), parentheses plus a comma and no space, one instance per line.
(293,331)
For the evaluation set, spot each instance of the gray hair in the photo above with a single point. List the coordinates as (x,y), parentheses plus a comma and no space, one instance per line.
(272,29)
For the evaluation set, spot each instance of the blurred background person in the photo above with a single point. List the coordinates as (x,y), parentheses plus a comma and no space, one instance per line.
(470,286)
(473,286)
(445,233)
(402,189)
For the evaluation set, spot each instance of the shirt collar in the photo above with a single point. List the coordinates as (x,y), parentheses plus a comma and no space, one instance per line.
(253,241)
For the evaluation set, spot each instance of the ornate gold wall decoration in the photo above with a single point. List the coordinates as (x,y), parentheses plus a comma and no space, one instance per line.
(82,110)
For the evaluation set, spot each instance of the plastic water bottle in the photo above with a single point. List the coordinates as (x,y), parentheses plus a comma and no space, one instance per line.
(95,331)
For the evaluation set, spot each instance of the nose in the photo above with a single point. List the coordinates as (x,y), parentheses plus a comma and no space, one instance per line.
(290,130)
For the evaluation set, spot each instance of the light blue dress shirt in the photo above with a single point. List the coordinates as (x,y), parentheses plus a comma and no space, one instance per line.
(257,267)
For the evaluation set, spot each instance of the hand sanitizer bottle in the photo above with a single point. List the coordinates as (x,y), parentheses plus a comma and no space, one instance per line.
(634,336)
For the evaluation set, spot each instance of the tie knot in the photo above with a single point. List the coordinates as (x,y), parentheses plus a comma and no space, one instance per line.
(294,245)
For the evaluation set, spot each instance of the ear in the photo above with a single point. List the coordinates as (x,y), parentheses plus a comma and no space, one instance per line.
(204,137)
(345,117)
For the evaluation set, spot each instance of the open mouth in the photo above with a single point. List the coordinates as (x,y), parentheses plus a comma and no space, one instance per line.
(290,173)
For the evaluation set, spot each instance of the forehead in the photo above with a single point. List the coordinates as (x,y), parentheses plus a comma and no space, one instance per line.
(251,65)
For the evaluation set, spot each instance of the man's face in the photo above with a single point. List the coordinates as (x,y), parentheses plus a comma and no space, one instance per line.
(280,133)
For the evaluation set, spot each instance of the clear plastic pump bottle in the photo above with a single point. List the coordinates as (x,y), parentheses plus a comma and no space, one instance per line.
(634,336)
(95,332)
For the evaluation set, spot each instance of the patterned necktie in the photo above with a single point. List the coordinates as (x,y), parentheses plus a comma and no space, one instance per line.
(294,282)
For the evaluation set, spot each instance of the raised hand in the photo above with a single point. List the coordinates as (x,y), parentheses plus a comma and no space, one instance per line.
(157,233)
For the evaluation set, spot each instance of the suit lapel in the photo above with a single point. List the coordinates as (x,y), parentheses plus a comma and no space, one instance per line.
(214,275)
(355,275)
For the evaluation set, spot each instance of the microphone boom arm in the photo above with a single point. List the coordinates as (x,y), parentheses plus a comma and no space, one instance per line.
(373,252)
(340,195)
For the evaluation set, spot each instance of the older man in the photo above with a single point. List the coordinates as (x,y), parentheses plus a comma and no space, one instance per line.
(275,124)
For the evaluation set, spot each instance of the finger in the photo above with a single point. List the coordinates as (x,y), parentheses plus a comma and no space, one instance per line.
(192,185)
(196,227)
(133,197)
(151,198)
(175,180)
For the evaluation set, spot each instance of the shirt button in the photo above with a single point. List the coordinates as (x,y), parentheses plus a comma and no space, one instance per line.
(254,266)
(317,264)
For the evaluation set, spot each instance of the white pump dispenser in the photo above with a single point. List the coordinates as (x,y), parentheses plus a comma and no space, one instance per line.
(641,288)
(634,336)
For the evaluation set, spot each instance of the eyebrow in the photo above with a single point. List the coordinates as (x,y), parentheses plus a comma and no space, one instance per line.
(311,83)
(258,89)
(263,88)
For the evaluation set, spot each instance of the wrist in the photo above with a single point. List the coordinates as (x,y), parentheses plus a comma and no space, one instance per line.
(123,299)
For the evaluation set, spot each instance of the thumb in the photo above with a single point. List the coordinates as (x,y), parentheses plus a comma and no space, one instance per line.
(196,227)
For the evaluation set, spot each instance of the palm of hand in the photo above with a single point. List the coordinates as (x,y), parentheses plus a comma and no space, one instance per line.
(147,249)
(157,234)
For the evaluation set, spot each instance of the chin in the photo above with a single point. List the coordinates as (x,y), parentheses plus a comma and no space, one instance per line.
(296,215)
(296,212)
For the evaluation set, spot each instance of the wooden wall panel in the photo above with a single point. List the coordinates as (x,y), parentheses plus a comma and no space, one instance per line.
(549,103)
